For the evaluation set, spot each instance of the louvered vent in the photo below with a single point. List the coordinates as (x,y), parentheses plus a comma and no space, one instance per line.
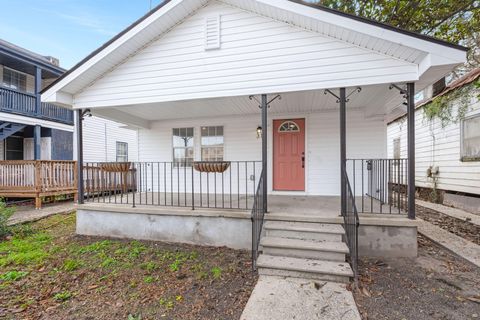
(212,33)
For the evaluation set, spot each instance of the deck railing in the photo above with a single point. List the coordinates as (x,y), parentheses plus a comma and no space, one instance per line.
(379,185)
(257,217)
(37,179)
(23,103)
(221,184)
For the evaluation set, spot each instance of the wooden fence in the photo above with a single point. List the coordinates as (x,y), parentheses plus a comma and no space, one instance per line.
(37,179)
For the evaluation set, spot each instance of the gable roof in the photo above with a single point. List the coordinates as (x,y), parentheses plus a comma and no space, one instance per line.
(161,6)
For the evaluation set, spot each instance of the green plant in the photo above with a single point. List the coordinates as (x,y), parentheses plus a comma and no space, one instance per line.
(441,107)
(62,296)
(216,272)
(5,214)
(167,303)
(148,279)
(71,265)
(13,275)
(149,266)
(96,247)
(134,317)
(25,251)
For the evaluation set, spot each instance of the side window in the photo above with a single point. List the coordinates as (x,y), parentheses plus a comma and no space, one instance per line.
(470,150)
(14,80)
(212,143)
(182,147)
(396,148)
(122,151)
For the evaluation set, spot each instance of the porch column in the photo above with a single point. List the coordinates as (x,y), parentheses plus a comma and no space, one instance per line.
(38,105)
(343,150)
(264,150)
(37,146)
(411,149)
(78,130)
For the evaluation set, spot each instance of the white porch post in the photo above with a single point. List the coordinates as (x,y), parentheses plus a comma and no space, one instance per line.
(79,132)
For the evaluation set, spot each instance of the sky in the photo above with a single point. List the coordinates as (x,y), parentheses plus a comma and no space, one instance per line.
(67,29)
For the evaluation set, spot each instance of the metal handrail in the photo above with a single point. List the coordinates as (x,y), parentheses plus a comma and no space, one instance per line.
(257,217)
(351,223)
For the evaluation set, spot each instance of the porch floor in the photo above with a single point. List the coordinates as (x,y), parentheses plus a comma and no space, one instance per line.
(278,205)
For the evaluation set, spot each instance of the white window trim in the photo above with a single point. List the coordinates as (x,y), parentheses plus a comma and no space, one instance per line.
(200,141)
(476,114)
(116,150)
(194,146)
(17,71)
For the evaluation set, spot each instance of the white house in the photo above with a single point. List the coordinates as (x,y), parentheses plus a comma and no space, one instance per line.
(447,152)
(244,107)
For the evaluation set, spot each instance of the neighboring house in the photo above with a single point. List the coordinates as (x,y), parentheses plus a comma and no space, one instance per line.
(213,166)
(30,129)
(448,151)
(20,116)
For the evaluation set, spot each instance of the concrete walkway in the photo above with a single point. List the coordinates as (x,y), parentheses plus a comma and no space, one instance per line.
(452,212)
(27,214)
(459,246)
(280,298)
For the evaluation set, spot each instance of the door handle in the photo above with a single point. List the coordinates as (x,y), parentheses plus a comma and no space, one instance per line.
(303,161)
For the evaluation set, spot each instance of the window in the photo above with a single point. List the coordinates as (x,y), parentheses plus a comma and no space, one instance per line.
(183,147)
(396,148)
(471,139)
(122,151)
(14,148)
(212,143)
(289,126)
(14,79)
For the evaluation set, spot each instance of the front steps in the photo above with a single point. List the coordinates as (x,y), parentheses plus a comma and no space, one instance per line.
(304,250)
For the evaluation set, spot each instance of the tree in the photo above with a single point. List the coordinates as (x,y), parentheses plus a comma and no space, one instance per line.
(456,21)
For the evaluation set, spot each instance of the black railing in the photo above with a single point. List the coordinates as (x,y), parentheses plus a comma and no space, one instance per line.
(351,224)
(258,215)
(379,185)
(223,184)
(24,103)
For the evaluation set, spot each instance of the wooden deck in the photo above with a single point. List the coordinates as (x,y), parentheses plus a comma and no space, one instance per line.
(37,179)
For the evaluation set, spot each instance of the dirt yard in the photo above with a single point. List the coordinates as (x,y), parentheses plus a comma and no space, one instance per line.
(436,285)
(47,272)
(461,228)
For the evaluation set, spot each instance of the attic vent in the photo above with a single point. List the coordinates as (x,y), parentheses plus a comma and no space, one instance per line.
(212,33)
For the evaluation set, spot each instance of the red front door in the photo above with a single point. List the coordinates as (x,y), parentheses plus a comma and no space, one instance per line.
(289,155)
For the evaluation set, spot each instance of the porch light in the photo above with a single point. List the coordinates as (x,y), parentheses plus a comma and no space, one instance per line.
(259,132)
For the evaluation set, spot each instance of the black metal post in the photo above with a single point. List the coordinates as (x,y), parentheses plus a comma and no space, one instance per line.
(343,149)
(411,149)
(38,105)
(79,129)
(264,150)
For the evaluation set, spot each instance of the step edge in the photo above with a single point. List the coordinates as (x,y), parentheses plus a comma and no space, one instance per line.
(344,248)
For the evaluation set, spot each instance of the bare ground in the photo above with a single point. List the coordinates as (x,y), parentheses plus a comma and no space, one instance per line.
(47,272)
(435,285)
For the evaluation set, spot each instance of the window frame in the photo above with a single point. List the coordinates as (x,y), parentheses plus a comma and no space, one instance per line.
(9,86)
(394,143)
(463,157)
(202,146)
(117,149)
(183,164)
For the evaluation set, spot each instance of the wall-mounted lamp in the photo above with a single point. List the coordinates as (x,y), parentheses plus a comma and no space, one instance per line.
(259,132)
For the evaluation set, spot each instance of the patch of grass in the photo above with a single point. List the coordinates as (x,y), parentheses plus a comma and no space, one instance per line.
(71,265)
(216,272)
(108,262)
(5,214)
(148,279)
(29,250)
(149,266)
(13,275)
(96,247)
(62,296)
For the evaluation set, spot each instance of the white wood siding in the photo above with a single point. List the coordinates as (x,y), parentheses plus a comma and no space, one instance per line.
(257,55)
(365,138)
(438,146)
(100,138)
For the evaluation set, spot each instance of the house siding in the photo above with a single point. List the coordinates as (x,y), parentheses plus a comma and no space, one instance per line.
(256,54)
(100,137)
(365,138)
(438,146)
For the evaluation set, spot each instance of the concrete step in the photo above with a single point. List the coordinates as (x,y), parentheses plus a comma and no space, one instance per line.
(304,231)
(297,248)
(304,268)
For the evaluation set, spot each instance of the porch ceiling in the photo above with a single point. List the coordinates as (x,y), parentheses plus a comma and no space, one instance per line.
(377,100)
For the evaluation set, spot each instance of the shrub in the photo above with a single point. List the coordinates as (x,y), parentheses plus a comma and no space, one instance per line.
(5,214)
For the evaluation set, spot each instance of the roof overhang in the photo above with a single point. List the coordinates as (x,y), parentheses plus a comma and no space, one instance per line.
(434,58)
